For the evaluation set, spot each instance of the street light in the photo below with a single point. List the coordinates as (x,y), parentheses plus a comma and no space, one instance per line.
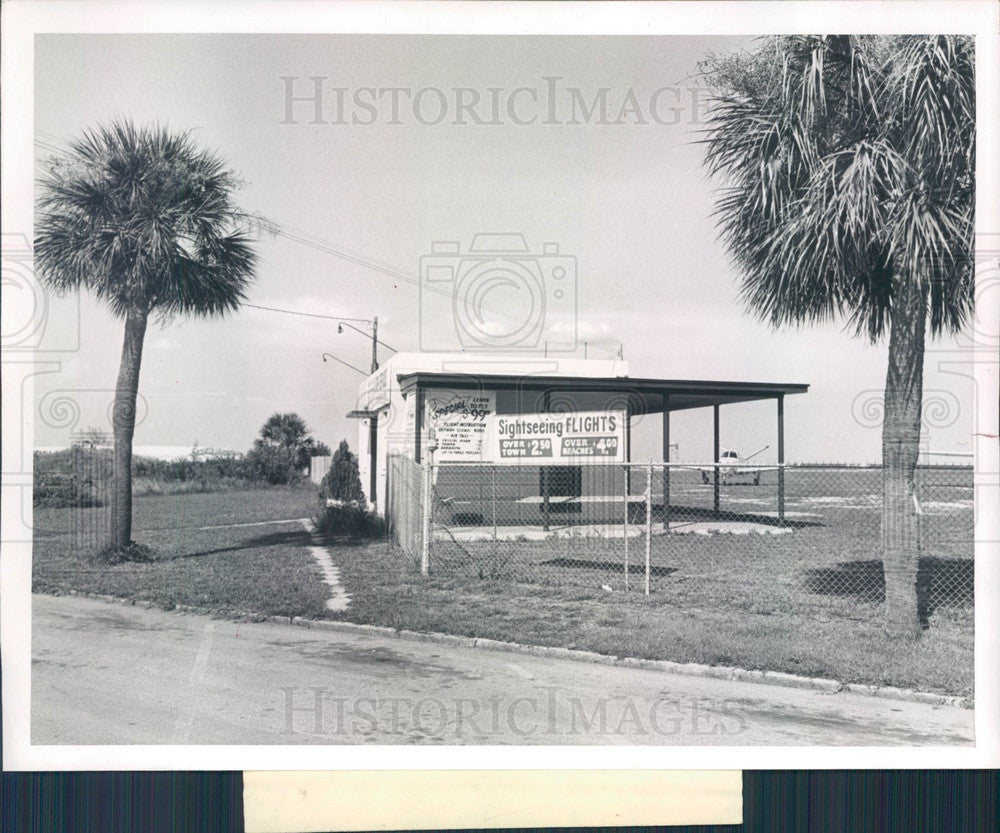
(373,323)
(355,369)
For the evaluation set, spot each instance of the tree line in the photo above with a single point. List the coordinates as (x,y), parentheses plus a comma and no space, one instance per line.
(80,476)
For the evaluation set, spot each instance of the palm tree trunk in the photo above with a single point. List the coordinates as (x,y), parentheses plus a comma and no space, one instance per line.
(900,449)
(123,420)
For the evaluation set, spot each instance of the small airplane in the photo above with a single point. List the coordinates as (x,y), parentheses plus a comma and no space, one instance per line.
(730,472)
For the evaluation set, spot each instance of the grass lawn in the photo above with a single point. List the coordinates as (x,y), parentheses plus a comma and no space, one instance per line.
(264,568)
(807,601)
(730,629)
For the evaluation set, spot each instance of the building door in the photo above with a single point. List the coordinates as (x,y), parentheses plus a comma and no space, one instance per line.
(561,481)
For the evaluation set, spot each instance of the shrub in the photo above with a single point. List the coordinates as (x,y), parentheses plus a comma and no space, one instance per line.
(351,520)
(76,477)
(343,482)
(183,471)
(271,464)
(133,553)
(58,491)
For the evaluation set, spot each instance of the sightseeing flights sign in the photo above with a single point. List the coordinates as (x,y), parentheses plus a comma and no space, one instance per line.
(565,439)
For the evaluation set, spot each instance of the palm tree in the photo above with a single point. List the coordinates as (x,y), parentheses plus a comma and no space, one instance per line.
(287,430)
(849,167)
(290,432)
(144,220)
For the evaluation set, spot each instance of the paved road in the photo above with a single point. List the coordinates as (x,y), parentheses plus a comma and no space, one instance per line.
(114,674)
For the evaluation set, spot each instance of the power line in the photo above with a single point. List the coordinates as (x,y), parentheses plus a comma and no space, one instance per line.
(52,137)
(284,230)
(305,238)
(306,314)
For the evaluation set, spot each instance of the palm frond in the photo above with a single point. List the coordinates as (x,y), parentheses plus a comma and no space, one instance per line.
(145,220)
(848,164)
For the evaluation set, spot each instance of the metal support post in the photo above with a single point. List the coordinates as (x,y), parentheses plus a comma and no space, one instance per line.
(649,518)
(373,459)
(546,473)
(547,485)
(625,524)
(628,451)
(427,511)
(781,459)
(418,422)
(666,461)
(716,453)
(494,501)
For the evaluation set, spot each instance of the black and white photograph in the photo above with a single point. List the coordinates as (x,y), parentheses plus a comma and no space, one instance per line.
(596,380)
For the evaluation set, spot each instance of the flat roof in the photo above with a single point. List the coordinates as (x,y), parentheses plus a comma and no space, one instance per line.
(642,395)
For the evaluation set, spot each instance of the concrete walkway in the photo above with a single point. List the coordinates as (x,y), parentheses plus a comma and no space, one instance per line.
(339,597)
(536,532)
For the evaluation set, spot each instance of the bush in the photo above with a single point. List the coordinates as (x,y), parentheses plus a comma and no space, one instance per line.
(133,553)
(76,477)
(342,482)
(56,491)
(351,520)
(184,471)
(82,476)
(271,464)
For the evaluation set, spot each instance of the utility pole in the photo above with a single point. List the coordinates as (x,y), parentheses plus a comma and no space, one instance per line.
(373,419)
(373,425)
(373,323)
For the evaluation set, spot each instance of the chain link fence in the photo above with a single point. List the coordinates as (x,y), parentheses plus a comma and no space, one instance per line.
(796,538)
(80,477)
(406,485)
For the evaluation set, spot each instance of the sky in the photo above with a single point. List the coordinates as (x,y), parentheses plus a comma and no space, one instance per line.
(630,201)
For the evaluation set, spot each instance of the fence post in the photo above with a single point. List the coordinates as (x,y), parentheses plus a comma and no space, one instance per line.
(427,508)
(781,493)
(493,480)
(649,517)
(625,524)
(781,460)
(716,451)
(546,480)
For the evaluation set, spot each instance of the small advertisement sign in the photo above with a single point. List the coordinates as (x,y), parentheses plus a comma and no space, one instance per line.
(563,439)
(459,419)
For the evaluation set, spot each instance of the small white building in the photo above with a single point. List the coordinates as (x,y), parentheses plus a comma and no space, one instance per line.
(572,412)
(387,413)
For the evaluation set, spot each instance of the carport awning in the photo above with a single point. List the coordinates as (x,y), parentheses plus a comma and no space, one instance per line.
(643,395)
